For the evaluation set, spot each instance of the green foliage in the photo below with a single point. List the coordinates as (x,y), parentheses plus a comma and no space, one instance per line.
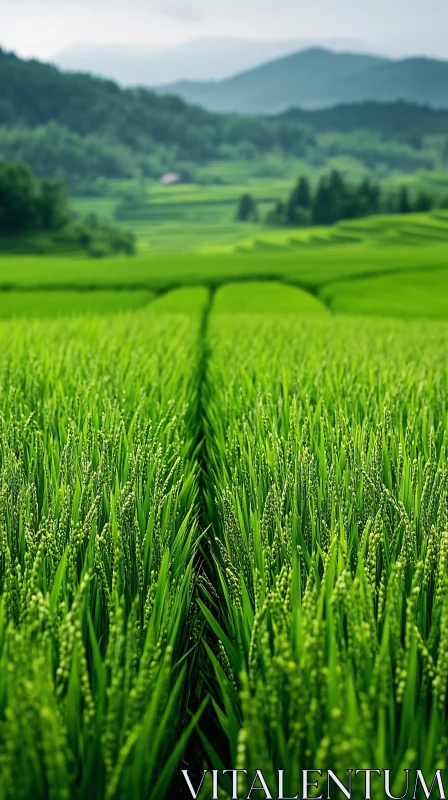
(301,195)
(404,206)
(247,209)
(335,199)
(380,153)
(27,204)
(399,119)
(423,202)
(133,203)
(98,239)
(53,150)
(53,210)
(83,130)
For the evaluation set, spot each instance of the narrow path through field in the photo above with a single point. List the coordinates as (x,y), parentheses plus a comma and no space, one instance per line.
(239,298)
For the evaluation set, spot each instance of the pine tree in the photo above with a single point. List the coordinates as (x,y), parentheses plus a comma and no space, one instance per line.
(247,209)
(404,206)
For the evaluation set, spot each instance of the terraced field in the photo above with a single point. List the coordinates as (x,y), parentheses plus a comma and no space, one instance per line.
(191,218)
(409,229)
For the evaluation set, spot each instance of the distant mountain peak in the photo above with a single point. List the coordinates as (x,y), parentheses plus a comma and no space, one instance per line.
(317,77)
(203,59)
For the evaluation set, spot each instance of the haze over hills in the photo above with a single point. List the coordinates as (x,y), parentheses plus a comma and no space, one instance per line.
(196,60)
(202,59)
(319,78)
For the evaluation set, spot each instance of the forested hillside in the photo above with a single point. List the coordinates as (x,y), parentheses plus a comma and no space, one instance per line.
(85,131)
(140,122)
(399,118)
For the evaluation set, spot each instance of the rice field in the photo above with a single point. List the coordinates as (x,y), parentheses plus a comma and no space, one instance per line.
(98,539)
(327,495)
(260,297)
(191,218)
(416,230)
(36,304)
(223,541)
(410,294)
(309,268)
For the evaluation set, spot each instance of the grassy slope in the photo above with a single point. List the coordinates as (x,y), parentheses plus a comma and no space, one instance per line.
(406,229)
(191,218)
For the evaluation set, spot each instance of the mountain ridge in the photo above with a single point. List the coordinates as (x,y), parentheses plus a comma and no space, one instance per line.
(204,59)
(318,78)
(81,128)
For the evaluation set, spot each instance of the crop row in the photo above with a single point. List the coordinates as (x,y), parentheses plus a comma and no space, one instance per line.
(98,532)
(260,522)
(327,445)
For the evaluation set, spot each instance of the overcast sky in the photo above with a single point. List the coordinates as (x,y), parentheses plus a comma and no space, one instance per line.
(42,28)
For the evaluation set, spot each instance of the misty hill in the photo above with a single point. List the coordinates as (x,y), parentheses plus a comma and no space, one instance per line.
(34,94)
(318,78)
(93,127)
(202,59)
(197,60)
(78,128)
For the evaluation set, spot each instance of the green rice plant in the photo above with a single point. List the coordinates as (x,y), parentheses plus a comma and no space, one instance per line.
(327,495)
(98,536)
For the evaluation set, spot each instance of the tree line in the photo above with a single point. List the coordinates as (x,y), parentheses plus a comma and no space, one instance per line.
(332,200)
(32,207)
(27,204)
(403,120)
